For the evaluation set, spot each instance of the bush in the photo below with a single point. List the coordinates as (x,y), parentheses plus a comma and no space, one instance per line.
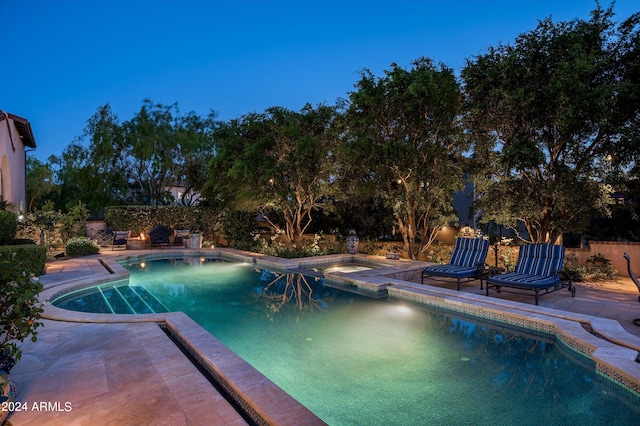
(601,269)
(19,307)
(238,227)
(29,257)
(74,223)
(8,227)
(320,245)
(81,246)
(45,224)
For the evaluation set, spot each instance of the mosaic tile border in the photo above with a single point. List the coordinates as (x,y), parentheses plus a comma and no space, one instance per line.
(617,377)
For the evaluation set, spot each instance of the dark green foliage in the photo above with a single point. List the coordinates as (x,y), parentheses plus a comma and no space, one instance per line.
(135,161)
(278,163)
(238,227)
(28,257)
(143,218)
(598,268)
(8,227)
(552,117)
(45,223)
(403,146)
(74,223)
(40,184)
(548,116)
(19,306)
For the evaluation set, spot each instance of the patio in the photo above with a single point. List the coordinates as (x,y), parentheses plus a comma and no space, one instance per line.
(114,373)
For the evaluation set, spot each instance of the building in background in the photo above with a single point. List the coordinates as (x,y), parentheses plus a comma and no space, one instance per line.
(16,138)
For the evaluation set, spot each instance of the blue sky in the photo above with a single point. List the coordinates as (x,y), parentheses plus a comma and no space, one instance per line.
(63,59)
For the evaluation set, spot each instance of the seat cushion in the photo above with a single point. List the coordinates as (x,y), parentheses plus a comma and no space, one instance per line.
(468,252)
(516,279)
(540,259)
(452,271)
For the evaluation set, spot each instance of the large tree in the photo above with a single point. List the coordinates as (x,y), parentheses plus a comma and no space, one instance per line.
(91,168)
(159,145)
(277,163)
(545,116)
(40,183)
(138,160)
(403,144)
(627,45)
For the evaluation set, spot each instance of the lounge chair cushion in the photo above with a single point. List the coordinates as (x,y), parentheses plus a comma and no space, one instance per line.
(516,279)
(469,252)
(467,260)
(540,259)
(452,271)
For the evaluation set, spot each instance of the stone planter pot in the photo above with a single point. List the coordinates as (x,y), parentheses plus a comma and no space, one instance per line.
(352,242)
(195,241)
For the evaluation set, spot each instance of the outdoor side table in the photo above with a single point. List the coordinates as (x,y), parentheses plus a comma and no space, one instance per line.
(492,270)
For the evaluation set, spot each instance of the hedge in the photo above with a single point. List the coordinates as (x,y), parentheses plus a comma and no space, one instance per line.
(8,226)
(30,257)
(143,218)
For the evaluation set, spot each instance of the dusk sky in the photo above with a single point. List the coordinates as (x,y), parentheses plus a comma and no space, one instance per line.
(62,59)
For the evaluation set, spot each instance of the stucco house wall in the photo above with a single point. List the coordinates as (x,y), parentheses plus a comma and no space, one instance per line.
(16,137)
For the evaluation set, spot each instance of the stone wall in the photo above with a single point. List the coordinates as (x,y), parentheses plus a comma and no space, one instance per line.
(613,250)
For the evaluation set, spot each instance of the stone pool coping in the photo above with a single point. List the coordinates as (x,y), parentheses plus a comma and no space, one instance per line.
(615,353)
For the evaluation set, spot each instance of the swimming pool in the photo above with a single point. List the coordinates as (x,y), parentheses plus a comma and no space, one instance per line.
(355,360)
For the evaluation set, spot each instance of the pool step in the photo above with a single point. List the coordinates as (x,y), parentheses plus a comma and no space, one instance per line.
(152,303)
(131,300)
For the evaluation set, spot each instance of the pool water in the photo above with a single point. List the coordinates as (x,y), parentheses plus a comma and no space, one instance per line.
(347,268)
(359,361)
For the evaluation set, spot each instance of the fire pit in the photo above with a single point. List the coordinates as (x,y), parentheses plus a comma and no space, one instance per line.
(138,243)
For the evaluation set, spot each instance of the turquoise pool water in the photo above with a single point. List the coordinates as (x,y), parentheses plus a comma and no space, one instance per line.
(359,361)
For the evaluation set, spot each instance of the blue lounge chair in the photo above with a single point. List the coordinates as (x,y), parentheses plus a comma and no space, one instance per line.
(539,268)
(466,263)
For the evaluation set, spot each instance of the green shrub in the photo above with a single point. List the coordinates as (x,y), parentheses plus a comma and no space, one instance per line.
(601,269)
(238,227)
(8,227)
(319,246)
(81,246)
(19,306)
(28,257)
(45,224)
(74,223)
